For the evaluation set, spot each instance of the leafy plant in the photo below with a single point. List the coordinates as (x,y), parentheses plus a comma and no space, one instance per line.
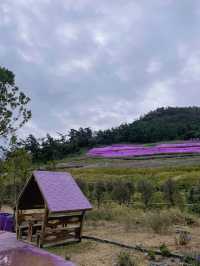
(158,222)
(164,250)
(146,189)
(99,191)
(151,254)
(13,104)
(170,191)
(124,259)
(123,191)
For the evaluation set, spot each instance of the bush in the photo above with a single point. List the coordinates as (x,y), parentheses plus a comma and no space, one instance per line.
(99,191)
(99,215)
(194,208)
(158,222)
(164,250)
(194,194)
(83,186)
(123,191)
(146,189)
(124,259)
(115,212)
(170,192)
(192,258)
(194,199)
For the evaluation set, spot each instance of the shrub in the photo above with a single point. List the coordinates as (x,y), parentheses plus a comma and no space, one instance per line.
(146,189)
(183,238)
(99,191)
(99,215)
(115,212)
(194,199)
(124,259)
(192,258)
(123,191)
(82,185)
(164,250)
(151,254)
(158,222)
(194,194)
(194,208)
(170,191)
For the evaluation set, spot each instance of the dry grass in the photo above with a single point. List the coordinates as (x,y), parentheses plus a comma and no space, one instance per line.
(131,227)
(95,254)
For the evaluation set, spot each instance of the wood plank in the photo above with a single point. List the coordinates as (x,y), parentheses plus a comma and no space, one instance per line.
(44,226)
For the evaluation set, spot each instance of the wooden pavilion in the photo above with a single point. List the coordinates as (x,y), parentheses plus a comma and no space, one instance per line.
(50,209)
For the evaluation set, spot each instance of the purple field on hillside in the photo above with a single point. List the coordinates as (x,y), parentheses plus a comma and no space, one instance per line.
(125,150)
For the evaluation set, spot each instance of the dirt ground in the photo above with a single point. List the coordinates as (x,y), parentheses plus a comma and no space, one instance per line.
(144,237)
(89,253)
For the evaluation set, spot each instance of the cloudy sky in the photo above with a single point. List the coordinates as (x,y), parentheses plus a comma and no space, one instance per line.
(99,63)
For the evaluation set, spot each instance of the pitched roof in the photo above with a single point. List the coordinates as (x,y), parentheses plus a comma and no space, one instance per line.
(61,192)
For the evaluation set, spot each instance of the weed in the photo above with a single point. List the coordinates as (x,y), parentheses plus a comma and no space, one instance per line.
(183,238)
(124,259)
(151,254)
(164,250)
(157,221)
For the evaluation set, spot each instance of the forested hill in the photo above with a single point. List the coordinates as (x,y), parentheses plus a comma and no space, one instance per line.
(163,124)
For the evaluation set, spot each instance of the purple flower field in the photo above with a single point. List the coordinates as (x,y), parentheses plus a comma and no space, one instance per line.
(125,150)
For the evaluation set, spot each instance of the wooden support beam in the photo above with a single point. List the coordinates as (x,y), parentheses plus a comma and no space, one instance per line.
(17,222)
(45,220)
(81,225)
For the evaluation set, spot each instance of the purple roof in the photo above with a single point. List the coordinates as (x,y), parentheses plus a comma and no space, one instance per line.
(61,192)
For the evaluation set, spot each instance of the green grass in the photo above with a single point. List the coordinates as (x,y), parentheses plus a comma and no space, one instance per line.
(183,175)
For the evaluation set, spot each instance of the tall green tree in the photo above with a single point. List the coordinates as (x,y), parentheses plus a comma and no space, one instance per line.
(146,189)
(170,191)
(13,104)
(17,167)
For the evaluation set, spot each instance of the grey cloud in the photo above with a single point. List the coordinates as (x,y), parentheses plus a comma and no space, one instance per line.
(100,63)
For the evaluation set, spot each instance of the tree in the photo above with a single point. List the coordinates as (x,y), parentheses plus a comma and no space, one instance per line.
(82,185)
(16,167)
(146,189)
(194,198)
(32,145)
(170,191)
(99,191)
(123,191)
(13,104)
(81,137)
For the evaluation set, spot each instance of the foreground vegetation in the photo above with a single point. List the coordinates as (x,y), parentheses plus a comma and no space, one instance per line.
(169,231)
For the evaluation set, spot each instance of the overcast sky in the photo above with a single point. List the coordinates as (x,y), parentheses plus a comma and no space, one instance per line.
(100,63)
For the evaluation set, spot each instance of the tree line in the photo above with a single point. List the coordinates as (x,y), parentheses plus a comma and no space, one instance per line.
(163,124)
(143,191)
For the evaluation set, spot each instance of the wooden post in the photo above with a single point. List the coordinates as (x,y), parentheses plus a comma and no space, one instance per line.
(30,231)
(17,222)
(45,219)
(81,225)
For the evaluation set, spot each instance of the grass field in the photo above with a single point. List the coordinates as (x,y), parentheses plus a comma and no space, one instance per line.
(132,225)
(185,170)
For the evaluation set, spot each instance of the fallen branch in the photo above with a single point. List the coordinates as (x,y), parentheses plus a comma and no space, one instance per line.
(135,247)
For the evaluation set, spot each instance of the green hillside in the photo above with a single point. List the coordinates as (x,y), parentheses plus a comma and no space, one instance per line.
(163,124)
